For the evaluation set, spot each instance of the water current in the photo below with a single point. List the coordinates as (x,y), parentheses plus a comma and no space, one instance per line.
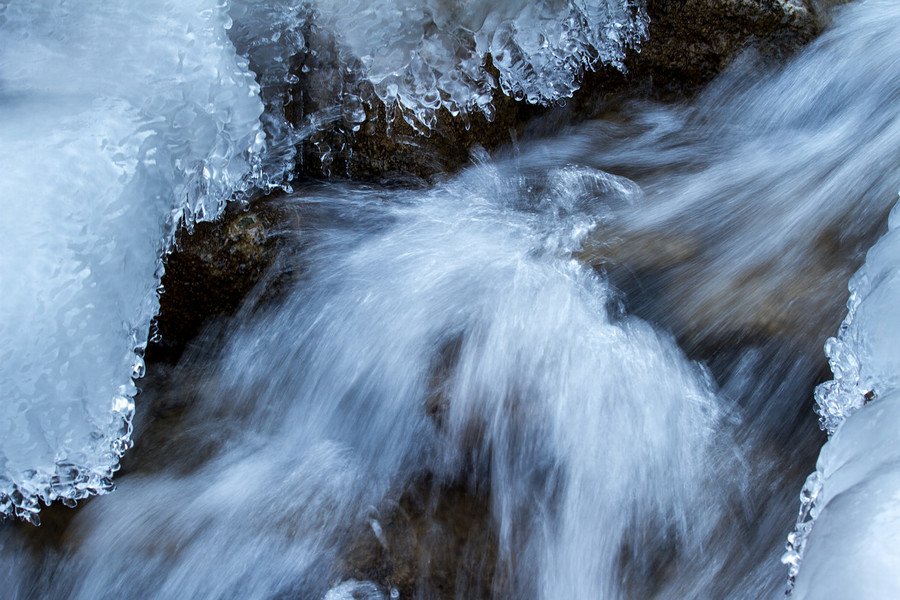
(583,367)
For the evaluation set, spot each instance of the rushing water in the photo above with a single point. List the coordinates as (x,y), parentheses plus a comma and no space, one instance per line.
(581,368)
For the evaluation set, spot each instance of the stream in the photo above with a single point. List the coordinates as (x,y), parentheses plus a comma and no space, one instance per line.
(581,367)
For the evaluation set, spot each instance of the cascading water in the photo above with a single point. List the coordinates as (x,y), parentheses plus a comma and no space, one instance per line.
(476,338)
(162,123)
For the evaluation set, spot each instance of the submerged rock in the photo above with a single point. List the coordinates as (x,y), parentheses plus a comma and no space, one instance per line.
(677,280)
(436,542)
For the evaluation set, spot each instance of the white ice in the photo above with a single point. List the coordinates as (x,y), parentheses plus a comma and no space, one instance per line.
(117,120)
(851,549)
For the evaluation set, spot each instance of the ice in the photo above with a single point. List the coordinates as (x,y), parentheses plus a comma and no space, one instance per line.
(850,551)
(331,65)
(271,35)
(419,56)
(539,49)
(844,545)
(118,121)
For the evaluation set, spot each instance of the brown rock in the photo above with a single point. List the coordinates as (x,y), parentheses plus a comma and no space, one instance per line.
(212,270)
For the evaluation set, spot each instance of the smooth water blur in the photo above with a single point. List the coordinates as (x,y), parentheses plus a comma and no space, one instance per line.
(755,196)
(608,337)
(454,337)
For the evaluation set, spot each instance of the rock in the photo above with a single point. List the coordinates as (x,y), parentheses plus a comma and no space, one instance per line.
(690,41)
(347,133)
(398,152)
(685,282)
(436,542)
(211,271)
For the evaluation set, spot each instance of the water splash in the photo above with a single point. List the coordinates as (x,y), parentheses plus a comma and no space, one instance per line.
(436,331)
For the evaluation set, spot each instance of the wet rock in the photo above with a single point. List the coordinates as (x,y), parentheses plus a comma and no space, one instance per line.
(211,271)
(690,41)
(379,151)
(685,283)
(436,542)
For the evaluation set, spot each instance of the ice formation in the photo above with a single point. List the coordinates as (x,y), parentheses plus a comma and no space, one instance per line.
(118,120)
(423,55)
(844,544)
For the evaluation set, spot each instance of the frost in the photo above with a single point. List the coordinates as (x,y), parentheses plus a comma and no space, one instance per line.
(118,121)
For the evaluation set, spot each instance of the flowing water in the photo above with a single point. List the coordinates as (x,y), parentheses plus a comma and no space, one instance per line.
(581,368)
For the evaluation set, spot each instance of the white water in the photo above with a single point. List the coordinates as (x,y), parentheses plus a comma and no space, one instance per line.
(447,337)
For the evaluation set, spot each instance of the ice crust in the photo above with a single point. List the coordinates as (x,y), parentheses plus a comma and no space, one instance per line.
(844,543)
(117,121)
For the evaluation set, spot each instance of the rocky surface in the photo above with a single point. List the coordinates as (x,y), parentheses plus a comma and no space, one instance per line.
(211,271)
(690,41)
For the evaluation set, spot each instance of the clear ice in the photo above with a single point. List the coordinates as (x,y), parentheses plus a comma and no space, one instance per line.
(420,57)
(118,121)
